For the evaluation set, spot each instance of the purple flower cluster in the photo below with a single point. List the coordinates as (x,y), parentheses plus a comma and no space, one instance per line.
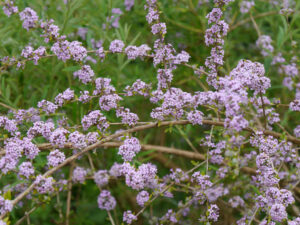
(170,216)
(62,98)
(143,177)
(94,118)
(129,149)
(44,185)
(79,175)
(85,74)
(58,137)
(47,107)
(29,18)
(106,201)
(134,52)
(214,37)
(65,50)
(9,8)
(142,198)
(55,158)
(5,205)
(116,46)
(128,4)
(127,117)
(129,217)
(8,125)
(101,178)
(29,53)
(246,6)
(139,87)
(26,169)
(213,213)
(264,42)
(77,140)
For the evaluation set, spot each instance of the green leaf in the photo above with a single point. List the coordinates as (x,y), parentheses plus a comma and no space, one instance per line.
(71,68)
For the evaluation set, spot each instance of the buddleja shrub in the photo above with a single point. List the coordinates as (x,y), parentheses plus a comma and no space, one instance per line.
(83,156)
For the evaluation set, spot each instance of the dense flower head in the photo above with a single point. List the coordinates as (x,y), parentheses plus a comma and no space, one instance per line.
(50,30)
(169,216)
(195,117)
(61,50)
(129,217)
(61,98)
(106,201)
(128,4)
(143,177)
(58,137)
(129,149)
(44,185)
(78,140)
(101,178)
(79,174)
(85,74)
(178,175)
(29,18)
(26,115)
(94,118)
(5,205)
(215,15)
(127,117)
(159,28)
(278,212)
(174,101)
(134,52)
(116,46)
(236,201)
(55,158)
(213,212)
(26,169)
(84,97)
(91,137)
(265,44)
(297,131)
(47,107)
(139,87)
(30,150)
(41,128)
(29,53)
(182,57)
(103,87)
(201,180)
(115,170)
(8,124)
(246,6)
(142,198)
(77,51)
(9,8)
(108,102)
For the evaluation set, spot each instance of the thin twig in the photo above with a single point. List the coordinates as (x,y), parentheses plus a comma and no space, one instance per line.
(69,194)
(110,218)
(255,25)
(7,106)
(26,215)
(253,216)
(242,22)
